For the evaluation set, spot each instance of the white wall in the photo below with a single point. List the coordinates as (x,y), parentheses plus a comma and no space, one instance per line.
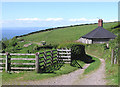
(90,41)
(86,41)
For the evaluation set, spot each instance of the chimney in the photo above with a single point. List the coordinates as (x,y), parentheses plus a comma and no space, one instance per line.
(100,23)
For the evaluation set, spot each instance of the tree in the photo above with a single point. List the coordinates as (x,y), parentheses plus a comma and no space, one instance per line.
(36,48)
(3,45)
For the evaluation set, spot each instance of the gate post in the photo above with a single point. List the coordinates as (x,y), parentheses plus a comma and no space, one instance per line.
(71,56)
(37,66)
(112,57)
(7,64)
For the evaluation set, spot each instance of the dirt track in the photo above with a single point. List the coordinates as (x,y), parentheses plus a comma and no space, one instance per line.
(95,78)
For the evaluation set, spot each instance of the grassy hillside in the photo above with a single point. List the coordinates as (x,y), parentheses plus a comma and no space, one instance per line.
(64,34)
(54,37)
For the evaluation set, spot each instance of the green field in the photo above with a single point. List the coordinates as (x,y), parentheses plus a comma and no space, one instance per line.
(62,37)
(65,34)
(53,38)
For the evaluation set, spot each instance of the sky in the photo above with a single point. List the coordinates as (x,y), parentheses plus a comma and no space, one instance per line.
(54,14)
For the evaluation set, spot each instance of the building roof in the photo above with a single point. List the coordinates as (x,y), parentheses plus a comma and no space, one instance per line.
(99,32)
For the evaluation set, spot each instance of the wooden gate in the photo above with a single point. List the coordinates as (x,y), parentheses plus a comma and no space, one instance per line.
(64,54)
(39,61)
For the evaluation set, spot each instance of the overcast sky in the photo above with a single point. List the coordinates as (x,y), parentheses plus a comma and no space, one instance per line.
(51,14)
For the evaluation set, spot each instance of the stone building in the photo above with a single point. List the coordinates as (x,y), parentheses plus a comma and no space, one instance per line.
(98,35)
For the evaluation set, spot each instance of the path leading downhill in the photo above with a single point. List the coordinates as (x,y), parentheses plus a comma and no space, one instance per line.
(96,78)
(73,78)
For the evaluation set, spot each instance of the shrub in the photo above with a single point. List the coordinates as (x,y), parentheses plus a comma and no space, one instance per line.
(36,47)
(69,44)
(3,45)
(13,42)
(49,46)
(77,51)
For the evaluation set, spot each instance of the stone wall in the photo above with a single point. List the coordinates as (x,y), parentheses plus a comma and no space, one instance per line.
(91,41)
(101,40)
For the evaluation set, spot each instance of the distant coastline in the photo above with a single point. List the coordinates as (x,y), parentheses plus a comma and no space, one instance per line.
(17,31)
(9,33)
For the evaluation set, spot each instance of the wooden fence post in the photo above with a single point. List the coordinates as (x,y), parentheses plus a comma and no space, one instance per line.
(7,64)
(45,60)
(52,57)
(37,66)
(115,60)
(58,56)
(71,62)
(112,57)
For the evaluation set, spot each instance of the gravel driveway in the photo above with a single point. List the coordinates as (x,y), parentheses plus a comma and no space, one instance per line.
(96,78)
(73,78)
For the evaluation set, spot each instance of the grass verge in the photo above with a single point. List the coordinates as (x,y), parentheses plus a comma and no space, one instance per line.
(93,66)
(25,76)
(111,71)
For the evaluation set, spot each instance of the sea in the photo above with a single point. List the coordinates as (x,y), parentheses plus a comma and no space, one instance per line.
(17,31)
